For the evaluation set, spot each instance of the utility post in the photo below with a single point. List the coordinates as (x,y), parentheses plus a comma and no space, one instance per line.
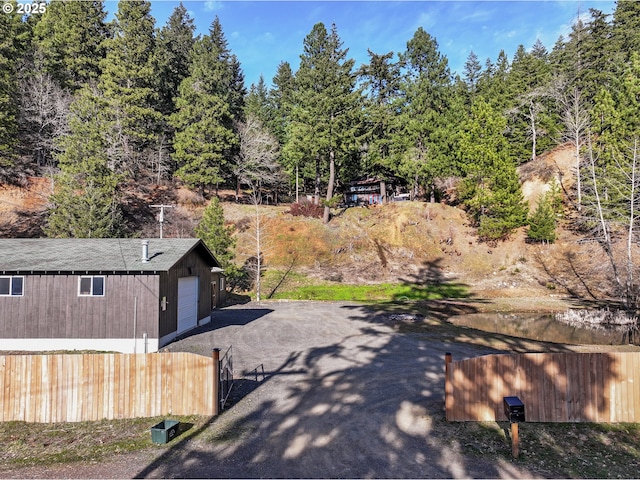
(161,215)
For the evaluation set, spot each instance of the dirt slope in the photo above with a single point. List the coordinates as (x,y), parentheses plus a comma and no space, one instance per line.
(404,241)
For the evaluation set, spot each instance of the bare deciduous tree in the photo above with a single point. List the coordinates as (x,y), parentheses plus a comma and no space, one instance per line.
(531,106)
(613,221)
(256,169)
(575,118)
(44,110)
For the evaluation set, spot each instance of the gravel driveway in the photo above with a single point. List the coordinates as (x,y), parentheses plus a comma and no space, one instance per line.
(342,396)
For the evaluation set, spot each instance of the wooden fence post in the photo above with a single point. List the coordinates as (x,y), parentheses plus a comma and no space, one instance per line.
(216,381)
(515,440)
(448,386)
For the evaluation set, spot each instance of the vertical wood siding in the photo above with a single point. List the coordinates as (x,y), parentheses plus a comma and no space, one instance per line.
(51,308)
(554,387)
(74,388)
(191,265)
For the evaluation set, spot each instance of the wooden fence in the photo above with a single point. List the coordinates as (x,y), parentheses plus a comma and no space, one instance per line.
(73,388)
(554,387)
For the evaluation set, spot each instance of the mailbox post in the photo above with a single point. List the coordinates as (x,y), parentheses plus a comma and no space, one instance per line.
(514,411)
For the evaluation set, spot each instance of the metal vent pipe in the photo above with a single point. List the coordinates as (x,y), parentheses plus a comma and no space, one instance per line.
(145,250)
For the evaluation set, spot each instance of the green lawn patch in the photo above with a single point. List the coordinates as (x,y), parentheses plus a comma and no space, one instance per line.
(383,292)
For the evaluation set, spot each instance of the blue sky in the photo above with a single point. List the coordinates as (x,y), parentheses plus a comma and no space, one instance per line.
(263,33)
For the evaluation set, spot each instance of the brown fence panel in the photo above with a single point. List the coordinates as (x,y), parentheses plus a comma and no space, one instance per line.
(73,388)
(555,387)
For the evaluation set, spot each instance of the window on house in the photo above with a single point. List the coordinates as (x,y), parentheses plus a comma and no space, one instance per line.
(12,286)
(91,286)
(221,284)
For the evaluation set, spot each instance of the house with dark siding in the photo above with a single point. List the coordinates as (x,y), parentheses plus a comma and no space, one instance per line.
(124,295)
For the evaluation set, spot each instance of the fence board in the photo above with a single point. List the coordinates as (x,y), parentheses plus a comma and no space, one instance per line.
(555,387)
(70,388)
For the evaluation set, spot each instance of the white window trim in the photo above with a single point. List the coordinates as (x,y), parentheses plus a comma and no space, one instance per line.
(11,277)
(104,285)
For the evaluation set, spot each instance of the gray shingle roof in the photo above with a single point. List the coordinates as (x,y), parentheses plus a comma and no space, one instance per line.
(95,254)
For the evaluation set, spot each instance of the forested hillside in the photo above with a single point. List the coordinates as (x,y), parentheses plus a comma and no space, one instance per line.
(111,109)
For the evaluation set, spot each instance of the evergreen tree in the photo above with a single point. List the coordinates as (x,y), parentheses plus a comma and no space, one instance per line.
(626,29)
(205,142)
(216,235)
(233,80)
(490,189)
(257,102)
(83,209)
(493,85)
(172,58)
(424,133)
(127,82)
(542,223)
(86,201)
(13,41)
(543,220)
(594,52)
(280,99)
(471,72)
(381,80)
(326,107)
(70,39)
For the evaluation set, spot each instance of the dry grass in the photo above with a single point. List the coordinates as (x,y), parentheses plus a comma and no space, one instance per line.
(26,444)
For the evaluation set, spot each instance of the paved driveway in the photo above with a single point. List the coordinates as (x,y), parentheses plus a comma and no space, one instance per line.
(342,395)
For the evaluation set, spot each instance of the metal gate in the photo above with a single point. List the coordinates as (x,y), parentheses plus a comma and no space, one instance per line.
(226,376)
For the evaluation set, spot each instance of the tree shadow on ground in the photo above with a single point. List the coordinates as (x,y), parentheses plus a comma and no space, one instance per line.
(430,282)
(366,401)
(220,319)
(586,282)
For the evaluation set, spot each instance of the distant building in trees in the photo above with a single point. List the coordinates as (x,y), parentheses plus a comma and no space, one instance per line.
(373,191)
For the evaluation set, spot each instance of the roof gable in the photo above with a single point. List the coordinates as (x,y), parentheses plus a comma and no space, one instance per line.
(97,254)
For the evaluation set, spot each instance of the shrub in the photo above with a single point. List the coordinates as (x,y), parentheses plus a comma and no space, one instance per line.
(305,208)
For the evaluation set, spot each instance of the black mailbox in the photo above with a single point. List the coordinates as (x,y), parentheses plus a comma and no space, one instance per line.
(514,409)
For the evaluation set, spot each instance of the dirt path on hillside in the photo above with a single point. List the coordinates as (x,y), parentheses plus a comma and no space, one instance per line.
(342,395)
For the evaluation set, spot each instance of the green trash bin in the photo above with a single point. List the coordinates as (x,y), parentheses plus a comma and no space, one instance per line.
(164,431)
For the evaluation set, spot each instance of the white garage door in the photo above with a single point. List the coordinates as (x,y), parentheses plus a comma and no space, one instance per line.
(187,303)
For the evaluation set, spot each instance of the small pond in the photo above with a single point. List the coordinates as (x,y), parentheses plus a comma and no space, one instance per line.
(537,326)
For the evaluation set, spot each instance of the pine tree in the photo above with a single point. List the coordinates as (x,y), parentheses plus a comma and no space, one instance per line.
(542,223)
(172,57)
(205,142)
(83,208)
(326,107)
(490,189)
(127,82)
(13,41)
(215,234)
(626,29)
(593,48)
(493,85)
(471,72)
(257,103)
(233,80)
(280,99)
(424,133)
(86,200)
(381,80)
(70,39)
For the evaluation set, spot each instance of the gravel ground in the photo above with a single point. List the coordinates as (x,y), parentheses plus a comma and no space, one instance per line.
(342,396)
